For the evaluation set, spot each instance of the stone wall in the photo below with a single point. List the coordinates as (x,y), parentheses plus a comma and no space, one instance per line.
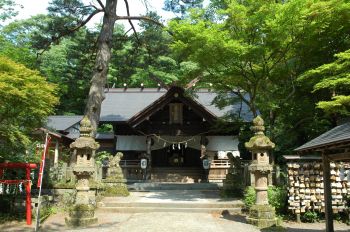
(306,189)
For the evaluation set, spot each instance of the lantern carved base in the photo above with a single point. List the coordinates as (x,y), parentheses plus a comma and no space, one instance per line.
(81,215)
(262,216)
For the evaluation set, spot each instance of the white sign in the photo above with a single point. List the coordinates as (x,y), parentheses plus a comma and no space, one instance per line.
(143,163)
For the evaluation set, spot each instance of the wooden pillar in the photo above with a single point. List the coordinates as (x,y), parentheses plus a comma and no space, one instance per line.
(203,143)
(149,157)
(55,161)
(149,151)
(327,193)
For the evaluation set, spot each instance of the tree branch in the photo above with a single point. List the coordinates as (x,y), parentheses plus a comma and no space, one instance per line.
(139,18)
(69,31)
(130,22)
(192,82)
(102,6)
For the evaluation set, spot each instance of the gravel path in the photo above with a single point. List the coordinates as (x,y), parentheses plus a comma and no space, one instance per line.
(167,222)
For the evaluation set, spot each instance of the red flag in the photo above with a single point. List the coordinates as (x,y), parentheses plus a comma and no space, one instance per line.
(43,156)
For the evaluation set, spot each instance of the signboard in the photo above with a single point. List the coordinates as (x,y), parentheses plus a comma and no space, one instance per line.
(206,164)
(143,163)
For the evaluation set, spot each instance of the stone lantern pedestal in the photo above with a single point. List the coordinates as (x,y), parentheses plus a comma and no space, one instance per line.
(261,214)
(83,211)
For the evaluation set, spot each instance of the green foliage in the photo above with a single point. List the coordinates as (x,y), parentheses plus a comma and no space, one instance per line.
(101,156)
(182,7)
(26,99)
(7,9)
(278,198)
(310,216)
(256,50)
(249,197)
(335,78)
(69,65)
(105,128)
(20,54)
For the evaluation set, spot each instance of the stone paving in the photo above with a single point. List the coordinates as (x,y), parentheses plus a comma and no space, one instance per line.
(167,221)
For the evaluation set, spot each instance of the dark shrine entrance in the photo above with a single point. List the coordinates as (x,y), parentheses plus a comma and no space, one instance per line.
(177,163)
(176,156)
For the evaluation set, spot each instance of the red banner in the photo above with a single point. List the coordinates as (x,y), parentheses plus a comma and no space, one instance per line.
(43,157)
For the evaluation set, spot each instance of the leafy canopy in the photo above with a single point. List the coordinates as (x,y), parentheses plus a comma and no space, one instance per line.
(26,99)
(333,78)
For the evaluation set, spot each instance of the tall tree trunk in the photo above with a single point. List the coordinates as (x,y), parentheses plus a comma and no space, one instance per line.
(99,77)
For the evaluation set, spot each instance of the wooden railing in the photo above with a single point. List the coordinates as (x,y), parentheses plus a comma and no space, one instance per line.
(222,163)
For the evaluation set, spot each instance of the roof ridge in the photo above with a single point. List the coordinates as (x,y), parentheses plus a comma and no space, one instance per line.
(61,116)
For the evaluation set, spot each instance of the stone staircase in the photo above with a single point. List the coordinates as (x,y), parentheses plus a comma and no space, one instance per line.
(153,186)
(171,197)
(113,206)
(180,174)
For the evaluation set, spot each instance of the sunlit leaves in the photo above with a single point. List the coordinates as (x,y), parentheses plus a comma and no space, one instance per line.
(26,99)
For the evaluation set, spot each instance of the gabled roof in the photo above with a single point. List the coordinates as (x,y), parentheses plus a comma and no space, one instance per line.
(62,122)
(120,105)
(173,93)
(336,135)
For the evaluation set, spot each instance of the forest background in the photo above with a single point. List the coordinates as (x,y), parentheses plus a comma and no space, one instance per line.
(291,58)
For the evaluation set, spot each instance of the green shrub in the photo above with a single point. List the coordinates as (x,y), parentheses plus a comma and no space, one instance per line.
(278,198)
(101,156)
(310,216)
(249,197)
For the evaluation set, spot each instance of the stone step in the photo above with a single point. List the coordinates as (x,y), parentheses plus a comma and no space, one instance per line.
(173,186)
(217,205)
(181,171)
(168,209)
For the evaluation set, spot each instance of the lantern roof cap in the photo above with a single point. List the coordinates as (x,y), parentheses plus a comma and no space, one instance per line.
(259,141)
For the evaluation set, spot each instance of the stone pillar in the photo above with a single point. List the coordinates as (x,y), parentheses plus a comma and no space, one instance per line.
(83,211)
(261,214)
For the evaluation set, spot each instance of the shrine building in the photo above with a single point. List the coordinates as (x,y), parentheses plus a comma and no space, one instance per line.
(172,129)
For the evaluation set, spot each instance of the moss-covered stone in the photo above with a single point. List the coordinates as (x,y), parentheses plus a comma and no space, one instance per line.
(81,215)
(80,222)
(262,216)
(119,190)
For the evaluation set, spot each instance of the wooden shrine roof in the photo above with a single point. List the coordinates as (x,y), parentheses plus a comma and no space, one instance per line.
(122,104)
(334,137)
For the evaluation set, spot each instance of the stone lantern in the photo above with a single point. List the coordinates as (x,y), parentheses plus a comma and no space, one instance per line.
(82,212)
(261,214)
